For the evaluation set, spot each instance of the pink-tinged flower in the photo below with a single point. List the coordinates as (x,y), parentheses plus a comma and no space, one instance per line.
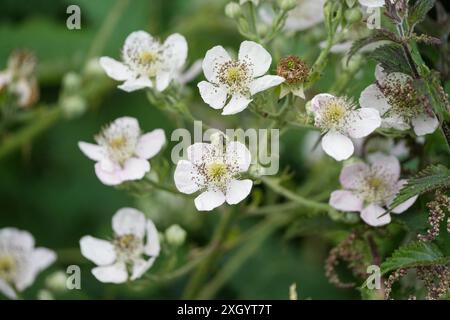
(214,170)
(371,189)
(20,261)
(339,120)
(399,103)
(239,79)
(122,151)
(130,254)
(147,63)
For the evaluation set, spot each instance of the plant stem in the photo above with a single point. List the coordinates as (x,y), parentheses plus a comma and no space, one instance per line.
(198,278)
(271,183)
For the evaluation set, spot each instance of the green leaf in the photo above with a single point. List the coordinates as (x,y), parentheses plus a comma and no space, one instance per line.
(431,178)
(378,35)
(414,254)
(392,58)
(418,11)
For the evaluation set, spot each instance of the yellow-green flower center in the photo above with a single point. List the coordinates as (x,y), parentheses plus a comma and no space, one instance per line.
(7,267)
(333,114)
(216,171)
(148,57)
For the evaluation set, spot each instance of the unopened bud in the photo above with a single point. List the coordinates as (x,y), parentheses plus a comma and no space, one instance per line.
(233,10)
(287,5)
(175,235)
(73,106)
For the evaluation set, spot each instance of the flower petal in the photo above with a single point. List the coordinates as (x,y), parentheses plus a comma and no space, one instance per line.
(186,177)
(213,95)
(163,79)
(115,69)
(372,3)
(352,174)
(177,49)
(371,215)
(344,200)
(134,169)
(386,166)
(337,145)
(264,83)
(116,273)
(238,190)
(92,151)
(258,57)
(152,246)
(237,104)
(12,237)
(319,101)
(403,206)
(395,122)
(150,144)
(129,221)
(136,84)
(214,57)
(372,97)
(99,251)
(197,152)
(424,124)
(140,267)
(110,177)
(7,290)
(238,155)
(209,200)
(362,122)
(40,259)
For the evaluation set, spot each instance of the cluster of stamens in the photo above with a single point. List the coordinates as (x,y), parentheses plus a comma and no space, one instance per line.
(375,186)
(144,58)
(235,75)
(402,97)
(120,142)
(128,247)
(334,114)
(7,267)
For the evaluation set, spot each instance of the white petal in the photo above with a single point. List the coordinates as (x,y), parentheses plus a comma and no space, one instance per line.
(177,47)
(191,73)
(186,177)
(7,290)
(371,215)
(163,79)
(380,75)
(136,84)
(386,166)
(116,273)
(258,57)
(110,177)
(238,190)
(372,97)
(129,221)
(150,144)
(345,201)
(214,57)
(152,246)
(237,104)
(197,152)
(209,200)
(12,237)
(140,267)
(402,206)
(129,123)
(115,69)
(238,154)
(92,151)
(213,95)
(134,169)
(351,175)
(362,122)
(39,260)
(424,124)
(99,251)
(394,122)
(337,145)
(264,83)
(319,101)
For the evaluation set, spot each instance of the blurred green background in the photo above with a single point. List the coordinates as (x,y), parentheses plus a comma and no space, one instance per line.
(49,188)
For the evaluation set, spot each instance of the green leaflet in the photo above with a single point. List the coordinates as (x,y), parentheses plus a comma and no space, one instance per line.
(418,11)
(431,178)
(414,254)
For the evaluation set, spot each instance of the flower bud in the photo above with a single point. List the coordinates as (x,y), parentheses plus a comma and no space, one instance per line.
(233,10)
(56,281)
(293,69)
(287,5)
(175,235)
(73,106)
(72,82)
